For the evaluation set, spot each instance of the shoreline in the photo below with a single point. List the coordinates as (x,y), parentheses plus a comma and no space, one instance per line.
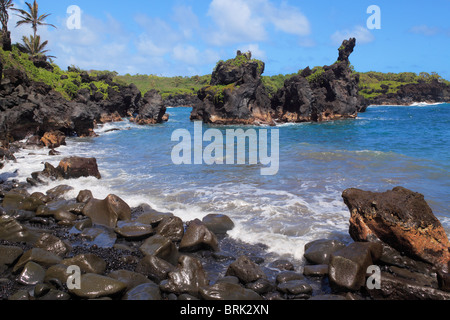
(274,278)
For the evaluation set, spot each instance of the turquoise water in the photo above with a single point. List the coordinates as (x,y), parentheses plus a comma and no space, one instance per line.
(384,148)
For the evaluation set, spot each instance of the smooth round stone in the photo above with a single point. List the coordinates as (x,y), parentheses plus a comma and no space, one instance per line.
(12,230)
(286,276)
(55,295)
(88,263)
(40,256)
(144,292)
(318,270)
(160,247)
(172,228)
(295,287)
(218,223)
(133,230)
(53,244)
(153,217)
(320,251)
(130,278)
(31,274)
(94,286)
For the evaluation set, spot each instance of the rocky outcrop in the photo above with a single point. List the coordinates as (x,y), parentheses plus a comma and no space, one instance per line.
(152,109)
(434,92)
(31,108)
(321,94)
(401,219)
(236,94)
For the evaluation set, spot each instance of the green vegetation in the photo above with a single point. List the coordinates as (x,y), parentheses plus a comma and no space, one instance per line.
(166,85)
(374,84)
(218,92)
(68,83)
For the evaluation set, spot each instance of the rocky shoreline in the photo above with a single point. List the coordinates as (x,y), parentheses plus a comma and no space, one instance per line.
(138,253)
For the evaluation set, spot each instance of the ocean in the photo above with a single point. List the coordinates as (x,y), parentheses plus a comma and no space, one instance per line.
(381,149)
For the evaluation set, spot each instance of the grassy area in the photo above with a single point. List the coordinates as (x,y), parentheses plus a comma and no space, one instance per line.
(166,85)
(68,83)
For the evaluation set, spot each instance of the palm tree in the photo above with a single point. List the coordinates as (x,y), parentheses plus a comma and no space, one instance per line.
(5,5)
(32,17)
(33,46)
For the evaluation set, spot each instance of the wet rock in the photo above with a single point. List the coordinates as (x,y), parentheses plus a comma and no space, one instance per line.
(59,191)
(443,281)
(107,212)
(225,291)
(101,237)
(56,275)
(218,223)
(53,139)
(77,167)
(319,270)
(17,201)
(88,263)
(130,278)
(133,230)
(188,278)
(171,228)
(144,292)
(295,287)
(400,218)
(21,295)
(286,276)
(319,251)
(153,217)
(53,244)
(40,256)
(399,288)
(154,268)
(282,265)
(11,230)
(55,295)
(198,237)
(348,266)
(84,196)
(9,255)
(94,286)
(246,270)
(260,286)
(160,247)
(31,274)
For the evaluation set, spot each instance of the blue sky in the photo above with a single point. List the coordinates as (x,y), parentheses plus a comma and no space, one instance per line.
(188,37)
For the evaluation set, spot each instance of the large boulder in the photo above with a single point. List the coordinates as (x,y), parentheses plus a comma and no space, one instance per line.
(152,109)
(401,219)
(77,167)
(107,212)
(188,278)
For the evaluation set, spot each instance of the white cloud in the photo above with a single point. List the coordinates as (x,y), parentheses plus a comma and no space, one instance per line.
(240,21)
(426,30)
(236,22)
(362,35)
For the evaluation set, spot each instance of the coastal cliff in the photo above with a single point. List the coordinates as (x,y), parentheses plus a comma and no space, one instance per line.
(71,102)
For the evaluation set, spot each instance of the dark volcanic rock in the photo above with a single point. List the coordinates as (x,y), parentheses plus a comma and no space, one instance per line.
(236,94)
(323,94)
(434,92)
(403,220)
(152,109)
